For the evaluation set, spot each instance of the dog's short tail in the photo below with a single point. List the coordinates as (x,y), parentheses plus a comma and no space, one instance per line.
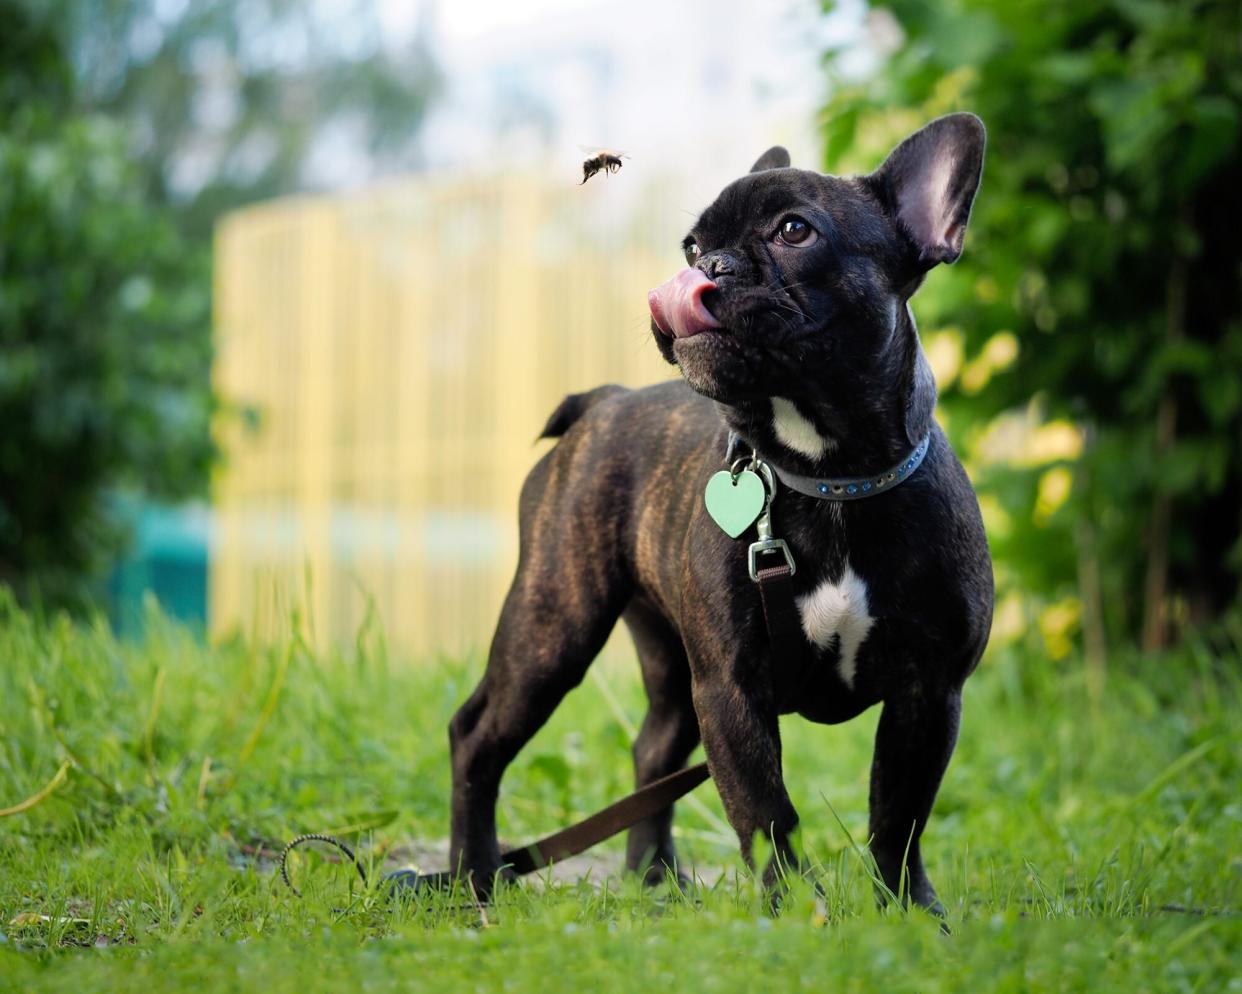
(573,407)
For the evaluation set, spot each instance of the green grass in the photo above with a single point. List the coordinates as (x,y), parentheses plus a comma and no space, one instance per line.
(1083,840)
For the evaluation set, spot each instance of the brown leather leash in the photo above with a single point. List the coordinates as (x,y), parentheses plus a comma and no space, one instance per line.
(785,634)
(578,838)
(789,645)
(772,567)
(625,813)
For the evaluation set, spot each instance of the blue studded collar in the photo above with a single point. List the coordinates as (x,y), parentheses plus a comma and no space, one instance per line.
(853,487)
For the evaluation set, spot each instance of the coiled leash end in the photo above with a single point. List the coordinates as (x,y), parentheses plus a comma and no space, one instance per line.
(400,881)
(643,803)
(316,837)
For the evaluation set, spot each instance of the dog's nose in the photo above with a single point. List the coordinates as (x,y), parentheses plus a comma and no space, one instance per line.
(715,265)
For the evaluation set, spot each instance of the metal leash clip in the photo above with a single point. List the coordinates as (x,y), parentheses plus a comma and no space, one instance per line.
(766,543)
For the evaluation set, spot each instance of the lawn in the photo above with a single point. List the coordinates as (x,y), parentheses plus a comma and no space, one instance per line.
(1088,835)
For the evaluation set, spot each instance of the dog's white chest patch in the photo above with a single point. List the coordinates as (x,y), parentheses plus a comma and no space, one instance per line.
(838,611)
(796,431)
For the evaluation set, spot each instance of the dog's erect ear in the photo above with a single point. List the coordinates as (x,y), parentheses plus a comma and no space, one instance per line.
(928,182)
(774,158)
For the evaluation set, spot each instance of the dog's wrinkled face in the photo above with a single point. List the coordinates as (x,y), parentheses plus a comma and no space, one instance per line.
(791,265)
(795,280)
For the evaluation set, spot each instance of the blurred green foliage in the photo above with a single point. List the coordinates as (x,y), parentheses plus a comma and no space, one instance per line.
(126,128)
(104,316)
(1104,246)
(226,102)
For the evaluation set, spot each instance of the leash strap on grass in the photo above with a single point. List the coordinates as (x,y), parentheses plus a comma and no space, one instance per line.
(643,803)
(315,837)
(577,838)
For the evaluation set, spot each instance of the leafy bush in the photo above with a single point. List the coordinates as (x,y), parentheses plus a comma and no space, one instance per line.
(104,329)
(1101,286)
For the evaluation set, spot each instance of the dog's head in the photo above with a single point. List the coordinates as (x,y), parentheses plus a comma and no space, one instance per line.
(796,282)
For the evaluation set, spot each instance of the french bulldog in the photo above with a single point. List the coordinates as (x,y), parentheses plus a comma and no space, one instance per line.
(791,329)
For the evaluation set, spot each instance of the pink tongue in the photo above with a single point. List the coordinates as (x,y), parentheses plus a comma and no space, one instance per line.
(677,304)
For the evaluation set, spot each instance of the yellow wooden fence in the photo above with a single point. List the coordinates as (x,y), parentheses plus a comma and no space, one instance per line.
(401,348)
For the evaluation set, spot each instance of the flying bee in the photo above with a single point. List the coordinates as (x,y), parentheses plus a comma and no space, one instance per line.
(600,158)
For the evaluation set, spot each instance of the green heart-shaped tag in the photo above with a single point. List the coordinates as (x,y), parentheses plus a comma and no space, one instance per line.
(734,504)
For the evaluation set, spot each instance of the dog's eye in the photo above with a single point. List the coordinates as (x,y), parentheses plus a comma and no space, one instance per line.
(692,253)
(795,231)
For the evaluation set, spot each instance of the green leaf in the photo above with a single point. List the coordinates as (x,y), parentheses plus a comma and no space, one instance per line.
(364,821)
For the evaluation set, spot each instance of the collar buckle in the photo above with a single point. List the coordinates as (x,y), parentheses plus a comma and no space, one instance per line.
(767,546)
(765,543)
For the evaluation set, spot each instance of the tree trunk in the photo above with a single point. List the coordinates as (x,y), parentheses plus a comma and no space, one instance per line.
(1094,629)
(1156,593)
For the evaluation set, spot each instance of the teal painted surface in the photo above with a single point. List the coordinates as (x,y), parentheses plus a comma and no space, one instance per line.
(166,560)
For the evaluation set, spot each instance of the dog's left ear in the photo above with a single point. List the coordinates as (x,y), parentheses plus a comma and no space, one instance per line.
(928,182)
(776,157)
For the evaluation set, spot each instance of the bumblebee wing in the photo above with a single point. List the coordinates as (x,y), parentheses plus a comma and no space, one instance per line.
(594,150)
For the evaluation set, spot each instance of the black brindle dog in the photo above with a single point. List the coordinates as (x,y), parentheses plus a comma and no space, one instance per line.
(792,330)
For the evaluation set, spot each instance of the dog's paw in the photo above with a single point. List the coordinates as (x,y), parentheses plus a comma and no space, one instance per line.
(474,887)
(658,874)
(404,883)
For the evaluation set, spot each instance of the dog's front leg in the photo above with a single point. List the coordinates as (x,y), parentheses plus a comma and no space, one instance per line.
(737,716)
(913,744)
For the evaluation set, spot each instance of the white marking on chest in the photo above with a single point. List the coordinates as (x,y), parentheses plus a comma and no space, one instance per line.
(838,611)
(795,431)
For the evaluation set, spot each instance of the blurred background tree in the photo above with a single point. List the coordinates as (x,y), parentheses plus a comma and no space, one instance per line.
(226,102)
(1094,323)
(126,128)
(104,325)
